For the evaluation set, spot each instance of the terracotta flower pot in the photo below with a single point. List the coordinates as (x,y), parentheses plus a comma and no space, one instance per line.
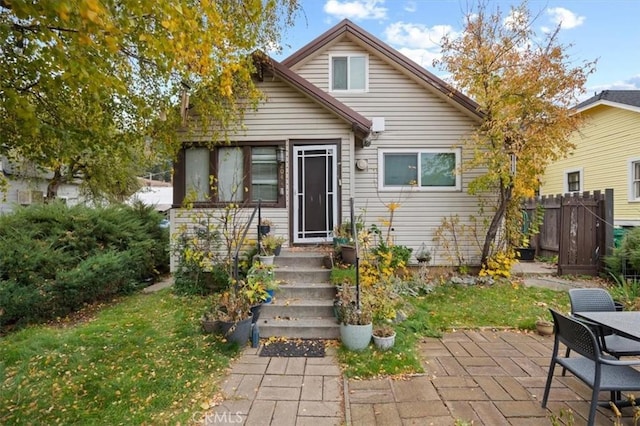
(544,328)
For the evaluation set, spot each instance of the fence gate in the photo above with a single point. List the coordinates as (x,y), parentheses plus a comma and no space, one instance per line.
(582,240)
(578,227)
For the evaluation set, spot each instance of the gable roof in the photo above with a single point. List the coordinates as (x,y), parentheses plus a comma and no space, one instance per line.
(359,124)
(348,28)
(625,99)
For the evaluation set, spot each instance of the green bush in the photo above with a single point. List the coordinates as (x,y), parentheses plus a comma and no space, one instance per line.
(54,258)
(200,283)
(626,258)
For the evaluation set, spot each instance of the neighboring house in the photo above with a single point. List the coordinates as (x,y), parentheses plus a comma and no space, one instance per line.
(607,154)
(28,186)
(345,116)
(156,193)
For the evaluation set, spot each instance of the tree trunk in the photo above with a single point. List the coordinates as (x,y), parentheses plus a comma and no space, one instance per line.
(54,185)
(492,231)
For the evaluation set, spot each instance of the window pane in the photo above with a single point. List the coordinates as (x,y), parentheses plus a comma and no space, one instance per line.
(573,181)
(197,173)
(230,174)
(339,74)
(400,169)
(357,73)
(438,169)
(636,180)
(264,174)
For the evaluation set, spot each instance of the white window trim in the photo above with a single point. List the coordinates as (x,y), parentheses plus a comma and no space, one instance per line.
(348,56)
(418,188)
(630,163)
(565,180)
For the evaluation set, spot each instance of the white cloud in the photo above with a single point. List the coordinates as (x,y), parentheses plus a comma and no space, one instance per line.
(423,57)
(515,19)
(356,9)
(564,17)
(410,6)
(417,36)
(632,83)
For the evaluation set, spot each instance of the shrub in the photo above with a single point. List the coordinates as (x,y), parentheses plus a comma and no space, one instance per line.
(199,282)
(625,260)
(54,258)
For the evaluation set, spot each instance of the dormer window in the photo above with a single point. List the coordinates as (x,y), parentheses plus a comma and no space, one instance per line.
(349,73)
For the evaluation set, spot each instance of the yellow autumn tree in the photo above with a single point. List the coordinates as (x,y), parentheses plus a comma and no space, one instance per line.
(525,85)
(93,88)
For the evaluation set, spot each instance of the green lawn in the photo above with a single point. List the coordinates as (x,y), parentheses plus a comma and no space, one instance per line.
(143,360)
(448,307)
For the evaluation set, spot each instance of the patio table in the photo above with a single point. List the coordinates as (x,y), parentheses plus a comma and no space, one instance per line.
(623,323)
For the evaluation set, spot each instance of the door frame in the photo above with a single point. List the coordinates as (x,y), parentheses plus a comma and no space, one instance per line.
(296,148)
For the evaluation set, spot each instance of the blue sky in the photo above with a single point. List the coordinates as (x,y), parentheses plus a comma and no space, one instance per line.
(606,30)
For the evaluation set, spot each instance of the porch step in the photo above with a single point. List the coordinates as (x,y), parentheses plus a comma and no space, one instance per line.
(303,328)
(303,305)
(302,291)
(297,308)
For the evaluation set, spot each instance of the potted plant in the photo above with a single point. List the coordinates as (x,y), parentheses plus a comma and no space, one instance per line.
(328,259)
(544,327)
(356,324)
(384,336)
(270,246)
(423,255)
(261,276)
(232,311)
(342,233)
(264,227)
(256,292)
(530,228)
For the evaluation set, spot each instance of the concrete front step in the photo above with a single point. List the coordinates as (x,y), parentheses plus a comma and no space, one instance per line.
(303,306)
(297,308)
(304,328)
(301,291)
(300,259)
(289,274)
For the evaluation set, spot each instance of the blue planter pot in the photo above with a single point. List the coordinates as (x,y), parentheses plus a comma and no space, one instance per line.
(270,297)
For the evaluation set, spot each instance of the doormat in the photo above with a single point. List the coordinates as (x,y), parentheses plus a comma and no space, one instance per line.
(309,348)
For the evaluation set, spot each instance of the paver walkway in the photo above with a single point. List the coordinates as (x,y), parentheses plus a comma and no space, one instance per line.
(488,377)
(485,377)
(281,391)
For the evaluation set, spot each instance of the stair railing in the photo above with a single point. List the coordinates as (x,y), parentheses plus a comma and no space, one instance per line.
(236,257)
(354,235)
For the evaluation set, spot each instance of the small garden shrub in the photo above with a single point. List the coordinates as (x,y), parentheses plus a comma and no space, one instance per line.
(54,258)
(625,259)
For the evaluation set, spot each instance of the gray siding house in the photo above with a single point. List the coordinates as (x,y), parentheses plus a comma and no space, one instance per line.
(345,116)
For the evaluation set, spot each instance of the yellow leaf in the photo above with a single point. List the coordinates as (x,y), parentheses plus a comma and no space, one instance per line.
(93,5)
(93,16)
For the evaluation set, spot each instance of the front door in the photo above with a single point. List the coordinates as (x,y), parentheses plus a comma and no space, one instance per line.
(315,192)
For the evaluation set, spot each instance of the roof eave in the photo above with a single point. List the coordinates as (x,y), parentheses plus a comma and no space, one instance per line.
(359,124)
(348,27)
(607,103)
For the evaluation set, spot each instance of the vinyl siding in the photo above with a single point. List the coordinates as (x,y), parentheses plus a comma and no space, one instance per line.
(285,115)
(607,141)
(415,117)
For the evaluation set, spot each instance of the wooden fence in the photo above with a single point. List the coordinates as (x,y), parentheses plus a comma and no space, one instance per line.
(577,227)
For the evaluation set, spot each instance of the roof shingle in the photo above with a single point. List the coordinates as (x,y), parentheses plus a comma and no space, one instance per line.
(626,97)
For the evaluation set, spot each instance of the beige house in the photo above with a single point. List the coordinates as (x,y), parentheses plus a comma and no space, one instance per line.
(607,154)
(346,116)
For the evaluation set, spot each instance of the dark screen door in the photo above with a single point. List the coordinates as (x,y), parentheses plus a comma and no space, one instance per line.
(315,192)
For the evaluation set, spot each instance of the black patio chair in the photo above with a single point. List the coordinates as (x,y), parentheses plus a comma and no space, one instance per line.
(599,300)
(599,372)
